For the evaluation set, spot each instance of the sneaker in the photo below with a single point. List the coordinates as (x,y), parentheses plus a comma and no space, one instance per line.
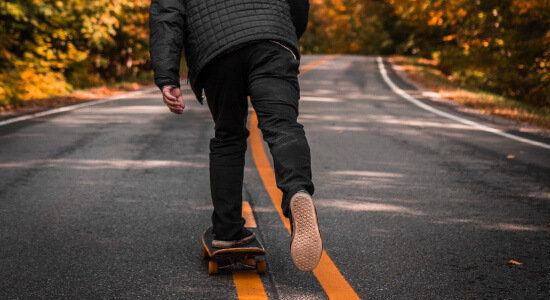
(306,245)
(248,237)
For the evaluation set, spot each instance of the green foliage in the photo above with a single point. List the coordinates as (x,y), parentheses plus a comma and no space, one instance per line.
(497,45)
(350,26)
(51,47)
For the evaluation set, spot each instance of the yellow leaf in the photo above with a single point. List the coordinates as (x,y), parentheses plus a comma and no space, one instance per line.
(449,37)
(513,262)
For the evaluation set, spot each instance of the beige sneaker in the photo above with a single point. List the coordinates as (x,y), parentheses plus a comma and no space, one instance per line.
(306,245)
(229,244)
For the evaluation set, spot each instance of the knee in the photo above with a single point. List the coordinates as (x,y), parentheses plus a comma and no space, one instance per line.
(283,130)
(278,118)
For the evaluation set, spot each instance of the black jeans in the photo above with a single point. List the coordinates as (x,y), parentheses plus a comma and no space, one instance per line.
(268,73)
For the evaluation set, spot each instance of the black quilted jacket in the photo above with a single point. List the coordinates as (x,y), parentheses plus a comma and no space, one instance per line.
(206,29)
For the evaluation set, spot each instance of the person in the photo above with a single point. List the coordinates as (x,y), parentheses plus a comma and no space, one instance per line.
(235,49)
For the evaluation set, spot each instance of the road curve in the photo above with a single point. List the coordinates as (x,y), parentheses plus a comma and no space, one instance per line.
(110,200)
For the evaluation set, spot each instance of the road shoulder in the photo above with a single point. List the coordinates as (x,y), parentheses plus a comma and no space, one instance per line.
(430,96)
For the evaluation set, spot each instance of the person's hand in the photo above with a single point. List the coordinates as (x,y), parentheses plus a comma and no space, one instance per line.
(171,96)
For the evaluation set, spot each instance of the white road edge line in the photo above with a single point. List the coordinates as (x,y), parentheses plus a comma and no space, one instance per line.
(476,125)
(72,107)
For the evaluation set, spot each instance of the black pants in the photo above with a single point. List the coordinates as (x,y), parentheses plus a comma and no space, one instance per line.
(268,73)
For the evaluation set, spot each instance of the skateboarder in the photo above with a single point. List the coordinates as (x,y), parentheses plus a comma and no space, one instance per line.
(236,49)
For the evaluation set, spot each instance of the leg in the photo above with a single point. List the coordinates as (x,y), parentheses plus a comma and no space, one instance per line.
(227,100)
(274,93)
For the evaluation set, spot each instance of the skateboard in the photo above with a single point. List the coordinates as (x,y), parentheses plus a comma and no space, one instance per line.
(239,257)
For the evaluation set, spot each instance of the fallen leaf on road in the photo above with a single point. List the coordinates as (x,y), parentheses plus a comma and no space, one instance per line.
(548,224)
(510,156)
(341,131)
(513,262)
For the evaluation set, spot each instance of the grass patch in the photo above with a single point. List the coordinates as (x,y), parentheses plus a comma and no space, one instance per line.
(425,72)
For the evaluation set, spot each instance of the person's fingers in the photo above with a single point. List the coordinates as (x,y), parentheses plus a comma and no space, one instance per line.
(167,93)
(176,92)
(174,106)
(171,96)
(170,102)
(179,99)
(177,111)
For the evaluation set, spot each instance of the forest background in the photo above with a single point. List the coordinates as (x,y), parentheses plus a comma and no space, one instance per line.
(51,47)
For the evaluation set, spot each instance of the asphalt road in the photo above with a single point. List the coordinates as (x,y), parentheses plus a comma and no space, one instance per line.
(110,201)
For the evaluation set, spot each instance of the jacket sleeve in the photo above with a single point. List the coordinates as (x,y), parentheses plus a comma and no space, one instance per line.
(166,40)
(299,11)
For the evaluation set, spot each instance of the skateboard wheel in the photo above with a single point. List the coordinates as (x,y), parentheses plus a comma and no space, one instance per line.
(205,254)
(212,267)
(260,267)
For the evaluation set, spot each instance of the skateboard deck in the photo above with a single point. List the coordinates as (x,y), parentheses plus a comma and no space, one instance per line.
(243,256)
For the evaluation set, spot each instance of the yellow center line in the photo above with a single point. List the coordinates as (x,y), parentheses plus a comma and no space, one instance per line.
(248,284)
(315,64)
(248,215)
(328,275)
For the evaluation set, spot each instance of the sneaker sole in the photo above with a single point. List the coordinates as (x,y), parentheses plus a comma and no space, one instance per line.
(306,246)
